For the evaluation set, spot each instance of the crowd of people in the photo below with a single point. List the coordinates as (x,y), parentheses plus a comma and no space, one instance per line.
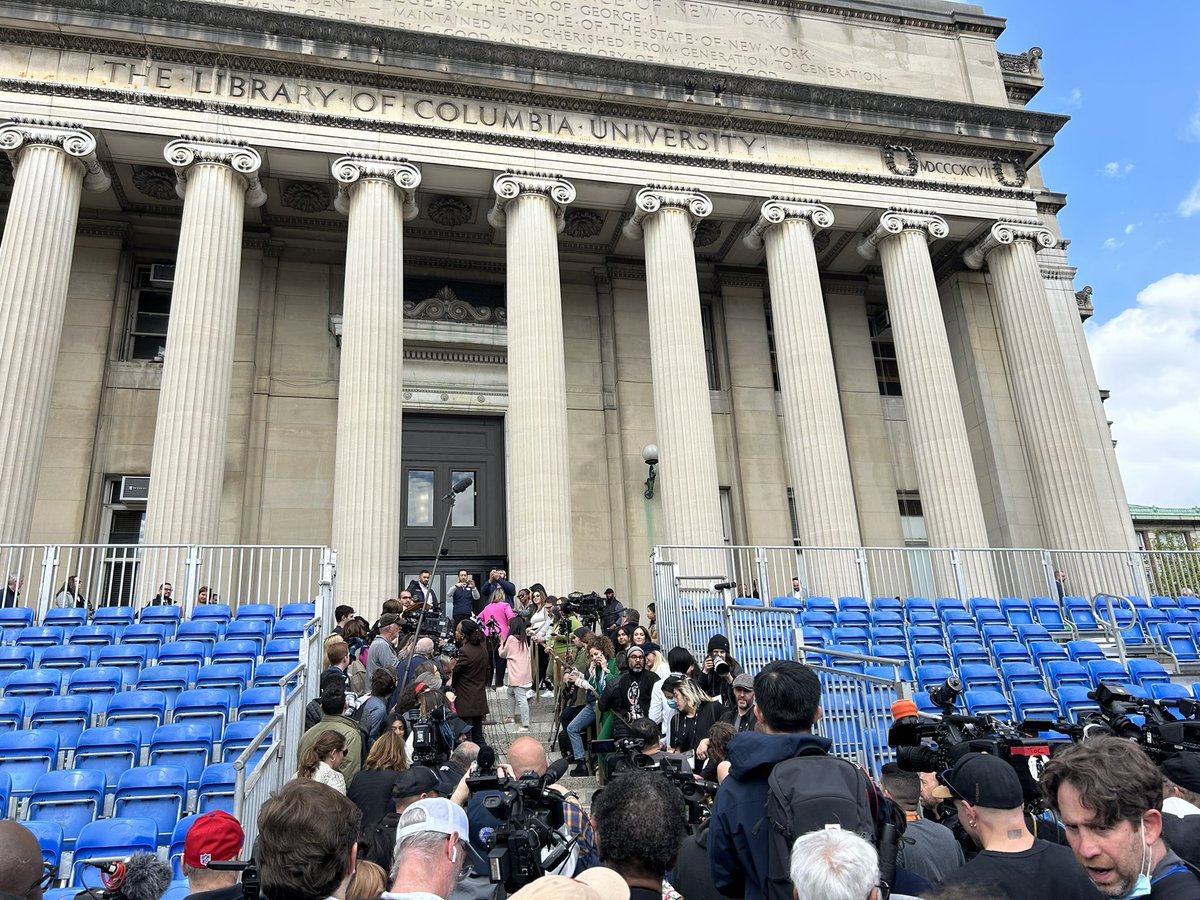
(715,783)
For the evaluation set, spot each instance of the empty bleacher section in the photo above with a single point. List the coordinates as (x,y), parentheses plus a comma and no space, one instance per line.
(855,617)
(119,719)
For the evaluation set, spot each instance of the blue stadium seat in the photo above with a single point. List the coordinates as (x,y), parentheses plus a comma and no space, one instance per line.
(12,714)
(293,629)
(1082,651)
(1106,670)
(1041,651)
(14,659)
(888,635)
(1178,641)
(93,635)
(998,632)
(120,617)
(1073,699)
(217,785)
(231,678)
(932,675)
(264,612)
(258,703)
(1017,611)
(944,603)
(841,662)
(66,659)
(234,651)
(255,630)
(922,616)
(975,676)
(1081,614)
(989,616)
(110,750)
(982,702)
(857,603)
(166,616)
(238,736)
(1164,603)
(1147,671)
(1183,616)
(128,659)
(141,710)
(32,685)
(853,618)
(911,603)
(1010,651)
(178,837)
(1028,633)
(1169,691)
(25,756)
(818,618)
(170,681)
(12,620)
(812,637)
(108,839)
(852,637)
(898,654)
(968,633)
(284,649)
(71,798)
(152,634)
(98,685)
(304,611)
(779,603)
(71,617)
(1048,613)
(1149,620)
(974,604)
(5,794)
(68,716)
(213,612)
(1192,602)
(154,792)
(890,618)
(1034,703)
(924,634)
(209,706)
(930,654)
(39,637)
(822,604)
(50,839)
(268,674)
(955,615)
(183,651)
(187,744)
(1021,674)
(206,631)
(1061,672)
(966,652)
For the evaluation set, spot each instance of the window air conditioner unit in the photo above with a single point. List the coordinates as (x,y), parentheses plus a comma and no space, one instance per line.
(162,273)
(135,488)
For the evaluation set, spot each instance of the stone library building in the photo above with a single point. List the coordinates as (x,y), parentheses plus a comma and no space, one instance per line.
(287,271)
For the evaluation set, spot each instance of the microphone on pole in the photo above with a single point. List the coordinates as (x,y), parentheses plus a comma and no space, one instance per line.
(459,486)
(724,586)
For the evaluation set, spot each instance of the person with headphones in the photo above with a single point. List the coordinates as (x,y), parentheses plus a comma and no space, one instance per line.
(373,711)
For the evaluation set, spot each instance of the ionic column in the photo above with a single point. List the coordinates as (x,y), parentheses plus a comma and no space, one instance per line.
(52,165)
(539,477)
(949,491)
(187,472)
(818,462)
(687,469)
(1064,488)
(378,195)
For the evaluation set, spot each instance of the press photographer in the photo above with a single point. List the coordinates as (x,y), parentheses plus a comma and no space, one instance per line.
(718,671)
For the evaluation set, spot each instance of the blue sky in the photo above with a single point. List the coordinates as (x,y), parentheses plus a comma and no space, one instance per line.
(1129,162)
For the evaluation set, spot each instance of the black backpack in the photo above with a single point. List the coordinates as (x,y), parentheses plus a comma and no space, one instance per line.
(813,791)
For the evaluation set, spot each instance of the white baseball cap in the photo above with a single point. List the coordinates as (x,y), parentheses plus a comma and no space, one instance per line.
(433,814)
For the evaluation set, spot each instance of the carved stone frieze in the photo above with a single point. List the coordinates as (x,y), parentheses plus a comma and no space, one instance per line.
(305,196)
(350,170)
(156,182)
(582,223)
(71,139)
(1017,179)
(1027,63)
(908,167)
(445,306)
(778,210)
(511,185)
(449,212)
(897,221)
(187,152)
(650,200)
(1008,231)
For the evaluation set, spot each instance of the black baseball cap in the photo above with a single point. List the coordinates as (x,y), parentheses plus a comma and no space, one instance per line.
(388,619)
(1184,770)
(416,780)
(981,780)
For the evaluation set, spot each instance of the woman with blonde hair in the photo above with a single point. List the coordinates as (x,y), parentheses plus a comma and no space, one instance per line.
(320,762)
(371,789)
(369,881)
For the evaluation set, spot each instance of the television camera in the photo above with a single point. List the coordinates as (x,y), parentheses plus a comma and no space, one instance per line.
(625,755)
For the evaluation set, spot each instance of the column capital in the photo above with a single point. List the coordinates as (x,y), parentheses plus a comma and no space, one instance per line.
(511,185)
(897,221)
(653,198)
(186,152)
(1009,231)
(349,170)
(778,210)
(70,139)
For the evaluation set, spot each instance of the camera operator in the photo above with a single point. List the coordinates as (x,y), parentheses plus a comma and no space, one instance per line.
(628,696)
(694,714)
(307,842)
(718,671)
(641,821)
(987,793)
(928,849)
(610,615)
(430,850)
(1109,796)
(646,731)
(463,597)
(214,837)
(22,873)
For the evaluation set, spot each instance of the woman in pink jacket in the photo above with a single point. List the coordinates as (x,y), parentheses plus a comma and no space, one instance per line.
(495,618)
(515,652)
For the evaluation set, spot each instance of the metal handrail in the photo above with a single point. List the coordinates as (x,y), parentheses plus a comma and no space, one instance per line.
(1110,624)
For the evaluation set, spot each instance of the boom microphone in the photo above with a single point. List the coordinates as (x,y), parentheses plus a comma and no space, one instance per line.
(459,486)
(146,877)
(724,585)
(558,769)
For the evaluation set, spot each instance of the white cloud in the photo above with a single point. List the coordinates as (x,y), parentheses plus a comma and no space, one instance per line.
(1074,100)
(1132,226)
(1116,170)
(1190,205)
(1113,243)
(1193,128)
(1147,356)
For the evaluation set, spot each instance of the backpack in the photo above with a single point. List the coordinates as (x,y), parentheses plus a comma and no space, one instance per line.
(812,791)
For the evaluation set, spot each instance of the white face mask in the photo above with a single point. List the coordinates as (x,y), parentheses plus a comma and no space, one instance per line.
(1142,887)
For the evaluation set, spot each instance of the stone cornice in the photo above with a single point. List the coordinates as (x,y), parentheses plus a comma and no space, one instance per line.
(187,152)
(350,170)
(408,48)
(653,198)
(511,185)
(778,210)
(1007,232)
(897,221)
(71,139)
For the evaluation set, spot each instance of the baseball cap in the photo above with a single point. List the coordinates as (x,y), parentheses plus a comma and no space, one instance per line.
(744,681)
(416,780)
(981,780)
(609,591)
(440,815)
(580,632)
(388,619)
(556,887)
(213,836)
(469,627)
(1184,770)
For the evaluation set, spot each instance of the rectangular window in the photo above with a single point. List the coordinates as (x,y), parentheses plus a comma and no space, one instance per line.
(149,311)
(464,508)
(420,498)
(795,519)
(771,345)
(727,515)
(114,583)
(912,519)
(710,346)
(886,370)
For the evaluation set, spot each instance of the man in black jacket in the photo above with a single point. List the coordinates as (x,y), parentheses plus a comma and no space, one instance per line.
(629,696)
(422,592)
(610,615)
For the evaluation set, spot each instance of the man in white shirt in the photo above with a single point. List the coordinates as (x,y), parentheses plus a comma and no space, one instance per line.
(431,849)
